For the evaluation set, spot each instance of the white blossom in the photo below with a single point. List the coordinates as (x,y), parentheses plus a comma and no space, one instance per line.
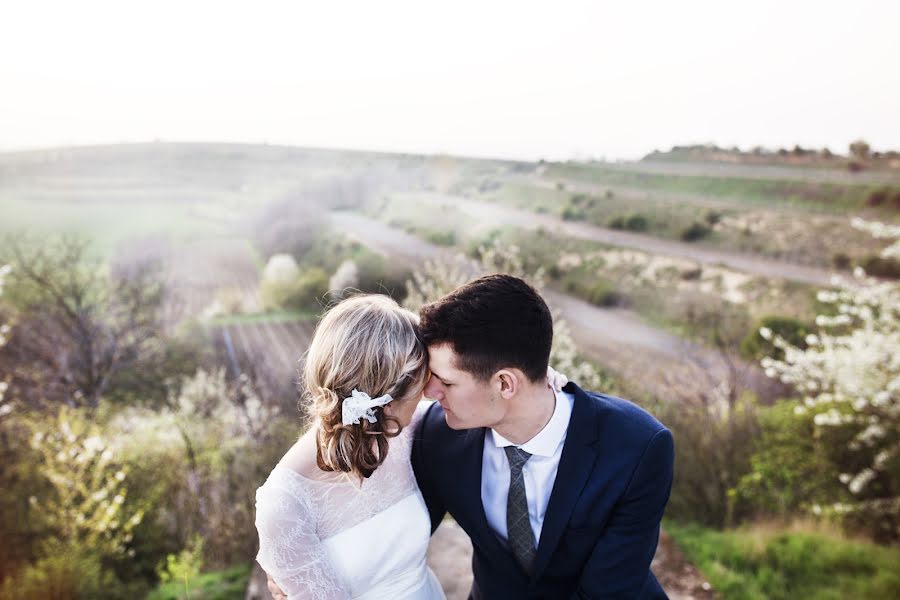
(346,277)
(849,374)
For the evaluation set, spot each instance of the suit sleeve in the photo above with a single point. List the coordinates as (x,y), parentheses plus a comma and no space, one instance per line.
(619,566)
(424,468)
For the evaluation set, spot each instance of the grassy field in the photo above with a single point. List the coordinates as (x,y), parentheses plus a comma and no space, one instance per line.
(807,237)
(106,223)
(229,584)
(828,197)
(789,563)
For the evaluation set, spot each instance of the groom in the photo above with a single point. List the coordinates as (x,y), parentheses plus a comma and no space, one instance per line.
(561,492)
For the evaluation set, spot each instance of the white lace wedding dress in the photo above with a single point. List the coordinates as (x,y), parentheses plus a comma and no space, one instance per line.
(323,536)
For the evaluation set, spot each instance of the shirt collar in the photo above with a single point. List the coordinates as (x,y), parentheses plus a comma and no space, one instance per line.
(551,436)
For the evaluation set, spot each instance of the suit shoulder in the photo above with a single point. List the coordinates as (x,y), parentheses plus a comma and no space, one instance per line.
(622,418)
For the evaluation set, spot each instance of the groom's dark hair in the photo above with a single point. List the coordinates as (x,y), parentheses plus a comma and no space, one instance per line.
(493,322)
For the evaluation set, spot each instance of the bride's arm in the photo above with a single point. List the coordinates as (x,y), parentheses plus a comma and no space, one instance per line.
(290,551)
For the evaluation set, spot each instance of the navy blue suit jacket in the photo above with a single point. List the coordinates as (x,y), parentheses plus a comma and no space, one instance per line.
(602,523)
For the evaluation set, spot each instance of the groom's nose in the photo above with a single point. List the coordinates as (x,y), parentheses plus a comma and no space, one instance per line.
(433,389)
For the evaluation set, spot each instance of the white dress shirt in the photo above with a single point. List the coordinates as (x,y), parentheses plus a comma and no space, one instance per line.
(539,472)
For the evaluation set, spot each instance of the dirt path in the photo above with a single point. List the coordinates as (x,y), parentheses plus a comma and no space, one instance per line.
(508,215)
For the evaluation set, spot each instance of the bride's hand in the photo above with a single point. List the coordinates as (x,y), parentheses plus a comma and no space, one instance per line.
(277,593)
(555,379)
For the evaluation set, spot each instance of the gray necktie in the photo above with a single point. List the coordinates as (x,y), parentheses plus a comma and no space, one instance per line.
(518,525)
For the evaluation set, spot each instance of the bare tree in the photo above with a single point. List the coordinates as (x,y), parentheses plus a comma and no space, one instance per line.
(78,324)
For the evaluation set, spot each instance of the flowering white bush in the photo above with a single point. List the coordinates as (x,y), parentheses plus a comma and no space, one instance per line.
(86,508)
(849,378)
(441,276)
(346,277)
(203,411)
(281,268)
(207,451)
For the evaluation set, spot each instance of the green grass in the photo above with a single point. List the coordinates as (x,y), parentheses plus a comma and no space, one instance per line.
(229,584)
(767,562)
(106,223)
(822,196)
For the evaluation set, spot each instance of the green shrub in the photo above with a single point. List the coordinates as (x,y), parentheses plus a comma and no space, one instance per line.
(755,347)
(617,222)
(598,293)
(879,266)
(70,575)
(879,196)
(577,199)
(303,293)
(571,213)
(441,238)
(184,566)
(694,232)
(841,261)
(379,276)
(713,217)
(636,223)
(790,471)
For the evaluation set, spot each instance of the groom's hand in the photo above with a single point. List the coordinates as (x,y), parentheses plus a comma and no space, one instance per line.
(276,591)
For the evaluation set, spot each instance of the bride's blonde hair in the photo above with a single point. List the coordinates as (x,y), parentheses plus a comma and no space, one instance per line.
(368,343)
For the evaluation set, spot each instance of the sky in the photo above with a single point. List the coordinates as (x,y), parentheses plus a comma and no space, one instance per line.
(555,80)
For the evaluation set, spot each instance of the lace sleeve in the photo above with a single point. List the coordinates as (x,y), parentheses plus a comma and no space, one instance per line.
(289,548)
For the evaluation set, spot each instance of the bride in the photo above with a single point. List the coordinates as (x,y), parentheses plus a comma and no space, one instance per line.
(340,516)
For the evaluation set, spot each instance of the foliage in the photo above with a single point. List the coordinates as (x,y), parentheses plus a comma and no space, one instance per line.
(712,414)
(199,461)
(67,575)
(4,331)
(86,504)
(635,222)
(790,470)
(860,149)
(754,346)
(345,278)
(228,584)
(76,528)
(184,566)
(79,325)
(377,275)
(695,231)
(881,266)
(289,226)
(572,213)
(285,286)
(441,238)
(714,430)
(849,379)
(761,562)
(597,291)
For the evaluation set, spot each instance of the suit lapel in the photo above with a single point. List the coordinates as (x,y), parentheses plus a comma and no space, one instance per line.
(575,466)
(470,486)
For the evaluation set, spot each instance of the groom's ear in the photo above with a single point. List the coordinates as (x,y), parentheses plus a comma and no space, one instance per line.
(508,382)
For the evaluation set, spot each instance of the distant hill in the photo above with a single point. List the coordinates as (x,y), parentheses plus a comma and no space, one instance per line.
(860,157)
